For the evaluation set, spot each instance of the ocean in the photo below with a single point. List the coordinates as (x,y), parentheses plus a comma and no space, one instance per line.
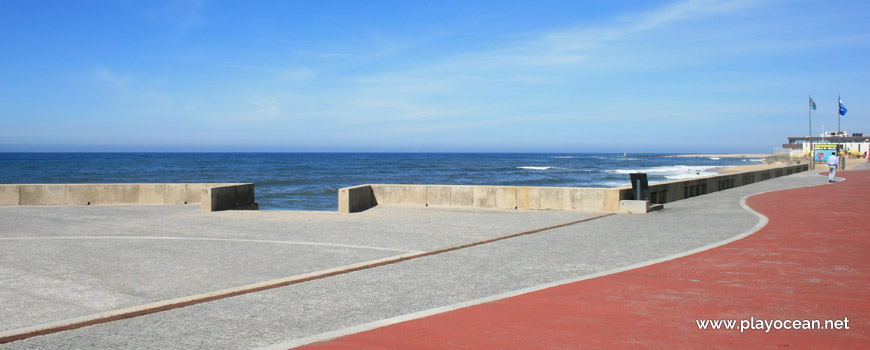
(310,181)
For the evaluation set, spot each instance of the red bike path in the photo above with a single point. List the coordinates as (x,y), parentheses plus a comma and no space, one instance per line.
(810,262)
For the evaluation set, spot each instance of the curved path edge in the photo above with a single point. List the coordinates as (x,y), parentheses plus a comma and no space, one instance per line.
(336,339)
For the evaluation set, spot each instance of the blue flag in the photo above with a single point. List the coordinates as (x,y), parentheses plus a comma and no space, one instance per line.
(812,104)
(843,109)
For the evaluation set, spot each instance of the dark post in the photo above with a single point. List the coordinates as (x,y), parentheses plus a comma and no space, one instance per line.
(639,186)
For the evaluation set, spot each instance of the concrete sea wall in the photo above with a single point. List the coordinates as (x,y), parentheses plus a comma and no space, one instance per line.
(240,196)
(359,198)
(212,196)
(669,191)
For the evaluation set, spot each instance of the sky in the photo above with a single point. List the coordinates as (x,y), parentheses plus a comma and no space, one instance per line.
(687,76)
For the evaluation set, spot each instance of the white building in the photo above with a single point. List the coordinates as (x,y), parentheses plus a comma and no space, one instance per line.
(855,144)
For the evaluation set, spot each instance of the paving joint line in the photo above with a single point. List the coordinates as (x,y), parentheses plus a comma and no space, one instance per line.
(165,305)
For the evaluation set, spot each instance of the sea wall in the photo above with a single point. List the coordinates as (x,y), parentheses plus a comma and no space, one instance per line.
(212,196)
(669,191)
(359,198)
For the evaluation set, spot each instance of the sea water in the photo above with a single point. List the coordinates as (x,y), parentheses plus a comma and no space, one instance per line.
(310,181)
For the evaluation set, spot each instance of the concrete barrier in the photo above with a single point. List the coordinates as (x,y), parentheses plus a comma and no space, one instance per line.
(9,195)
(212,196)
(52,194)
(670,191)
(229,197)
(358,198)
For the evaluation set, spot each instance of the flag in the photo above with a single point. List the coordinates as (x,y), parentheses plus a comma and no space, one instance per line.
(812,104)
(843,109)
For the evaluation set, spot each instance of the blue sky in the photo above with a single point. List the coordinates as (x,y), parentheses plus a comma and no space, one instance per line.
(453,76)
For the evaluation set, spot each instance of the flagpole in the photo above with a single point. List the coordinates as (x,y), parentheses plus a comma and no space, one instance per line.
(810,111)
(838,113)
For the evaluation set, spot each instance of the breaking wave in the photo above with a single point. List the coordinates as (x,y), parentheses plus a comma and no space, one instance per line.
(670,172)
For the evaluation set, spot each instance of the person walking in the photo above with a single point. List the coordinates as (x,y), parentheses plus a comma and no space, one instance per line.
(833,162)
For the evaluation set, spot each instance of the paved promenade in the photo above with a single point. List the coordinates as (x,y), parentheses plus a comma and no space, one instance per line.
(810,262)
(345,274)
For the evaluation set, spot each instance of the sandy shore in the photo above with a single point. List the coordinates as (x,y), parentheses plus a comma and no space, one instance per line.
(742,168)
(850,163)
(723,155)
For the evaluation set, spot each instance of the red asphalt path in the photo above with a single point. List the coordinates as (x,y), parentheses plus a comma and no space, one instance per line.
(810,262)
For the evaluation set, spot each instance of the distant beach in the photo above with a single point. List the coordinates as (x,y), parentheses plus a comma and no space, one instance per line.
(735,168)
(723,155)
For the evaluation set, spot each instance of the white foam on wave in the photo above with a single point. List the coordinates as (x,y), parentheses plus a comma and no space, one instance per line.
(615,183)
(715,158)
(690,175)
(563,157)
(756,160)
(535,167)
(675,172)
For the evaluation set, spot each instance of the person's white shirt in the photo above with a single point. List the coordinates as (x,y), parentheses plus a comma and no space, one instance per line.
(833,160)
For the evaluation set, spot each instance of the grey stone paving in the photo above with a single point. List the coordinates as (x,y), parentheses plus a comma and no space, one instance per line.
(309,308)
(61,262)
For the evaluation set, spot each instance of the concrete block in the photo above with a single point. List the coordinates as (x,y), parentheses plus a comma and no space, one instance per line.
(574,198)
(633,207)
(151,193)
(679,190)
(461,196)
(673,193)
(483,197)
(712,185)
(591,199)
(193,192)
(175,193)
(550,198)
(43,194)
(9,195)
(609,200)
(438,196)
(205,204)
(228,197)
(528,198)
(126,193)
(400,195)
(570,195)
(637,207)
(389,194)
(506,197)
(102,194)
(415,195)
(82,194)
(378,191)
(356,199)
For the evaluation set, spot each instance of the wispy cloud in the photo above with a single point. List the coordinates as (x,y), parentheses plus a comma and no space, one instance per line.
(577,44)
(333,55)
(664,70)
(107,76)
(263,108)
(184,15)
